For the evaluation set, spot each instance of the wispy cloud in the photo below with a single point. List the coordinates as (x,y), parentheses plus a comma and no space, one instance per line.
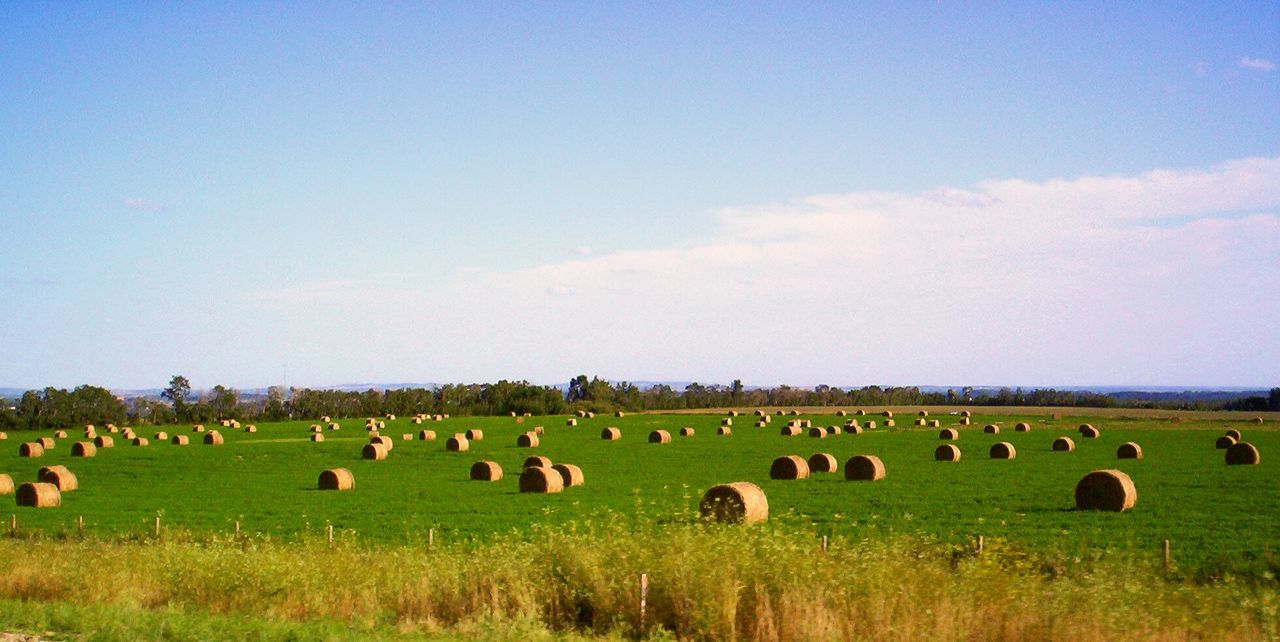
(1257,64)
(1201,68)
(582,250)
(143,205)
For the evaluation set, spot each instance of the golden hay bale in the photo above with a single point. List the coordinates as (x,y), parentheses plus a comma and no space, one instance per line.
(325,419)
(537,461)
(60,434)
(1235,434)
(89,428)
(817,433)
(833,430)
(6,485)
(1129,450)
(924,413)
(823,463)
(1224,442)
(1003,450)
(965,421)
(736,503)
(103,441)
(334,426)
(112,429)
(789,467)
(888,414)
(864,468)
(790,431)
(375,452)
(949,434)
(416,420)
(316,428)
(1088,431)
(888,423)
(659,437)
(1243,454)
(860,412)
(726,422)
(197,428)
(180,440)
(781,413)
(213,438)
(47,443)
(457,443)
(385,441)
(853,430)
(935,423)
(611,434)
(391,417)
(1022,426)
(591,415)
(841,413)
(1109,490)
(1063,445)
(408,436)
(160,436)
(619,414)
(686,432)
(758,424)
(538,430)
(486,471)
(83,449)
(581,413)
(382,425)
(475,434)
(1257,420)
(3,436)
(337,479)
(30,449)
(724,431)
(127,435)
(39,495)
(922,422)
(538,479)
(527,440)
(965,413)
(317,438)
(795,413)
(733,413)
(426,435)
(89,434)
(59,476)
(571,422)
(140,441)
(570,475)
(758,413)
(991,429)
(946,452)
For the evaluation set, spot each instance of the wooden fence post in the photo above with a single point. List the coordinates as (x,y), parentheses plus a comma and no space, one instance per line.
(981,544)
(1167,561)
(644,599)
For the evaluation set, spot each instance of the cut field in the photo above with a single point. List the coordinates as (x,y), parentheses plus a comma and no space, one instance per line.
(267,481)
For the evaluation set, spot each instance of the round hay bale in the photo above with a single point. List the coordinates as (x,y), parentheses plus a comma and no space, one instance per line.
(406,436)
(817,433)
(619,414)
(1063,445)
(853,430)
(924,413)
(59,476)
(570,475)
(888,414)
(1243,454)
(833,430)
(991,429)
(1129,450)
(965,413)
(888,423)
(475,434)
(736,503)
(6,484)
(316,428)
(1235,434)
(1257,420)
(795,413)
(39,495)
(724,431)
(140,441)
(539,479)
(375,452)
(317,438)
(949,434)
(1022,426)
(197,428)
(789,467)
(688,432)
(591,415)
(47,443)
(390,417)
(325,419)
(841,413)
(527,440)
(426,435)
(103,441)
(30,449)
(823,463)
(571,422)
(726,422)
(180,440)
(946,452)
(457,443)
(486,471)
(128,435)
(780,413)
(864,468)
(213,438)
(1224,442)
(60,434)
(1003,450)
(1087,429)
(790,431)
(89,434)
(83,449)
(112,429)
(965,421)
(922,422)
(733,413)
(160,436)
(385,441)
(537,461)
(336,426)
(611,434)
(860,412)
(659,437)
(538,430)
(935,423)
(3,436)
(1109,490)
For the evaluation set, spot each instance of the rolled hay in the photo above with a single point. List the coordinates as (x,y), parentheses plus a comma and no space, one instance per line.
(1257,420)
(3,436)
(127,435)
(924,413)
(888,423)
(538,430)
(841,413)
(539,479)
(1089,432)
(1022,426)
(780,413)
(316,428)
(1129,450)
(581,413)
(733,413)
(991,429)
(946,452)
(1086,428)
(817,433)
(864,468)
(391,417)
(375,452)
(416,420)
(833,430)
(475,434)
(317,438)
(6,485)
(180,440)
(213,438)
(60,434)
(965,413)
(611,434)
(591,415)
(950,434)
(197,428)
(83,449)
(1243,454)
(759,424)
(759,412)
(457,444)
(382,425)
(659,437)
(688,432)
(1109,490)
(337,479)
(426,435)
(39,495)
(922,422)
(724,431)
(160,436)
(736,503)
(619,414)
(571,422)
(334,426)
(527,440)
(59,476)
(325,419)
(90,428)
(790,431)
(1003,450)
(486,471)
(408,436)
(570,475)
(726,422)
(103,441)
(860,412)
(1224,442)
(385,441)
(1063,445)
(935,423)
(888,414)
(852,423)
(112,429)
(853,430)
(89,434)
(789,467)
(823,463)
(795,413)
(965,421)
(251,428)
(47,443)
(140,441)
(1235,434)
(537,461)
(30,449)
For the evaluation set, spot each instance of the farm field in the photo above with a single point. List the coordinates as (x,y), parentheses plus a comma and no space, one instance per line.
(1214,514)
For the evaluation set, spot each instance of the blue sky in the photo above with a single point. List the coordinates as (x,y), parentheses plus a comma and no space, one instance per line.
(845,193)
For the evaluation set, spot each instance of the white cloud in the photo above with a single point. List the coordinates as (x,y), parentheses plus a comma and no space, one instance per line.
(1257,64)
(143,205)
(582,250)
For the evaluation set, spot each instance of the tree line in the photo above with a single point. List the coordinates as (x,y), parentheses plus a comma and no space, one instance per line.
(52,408)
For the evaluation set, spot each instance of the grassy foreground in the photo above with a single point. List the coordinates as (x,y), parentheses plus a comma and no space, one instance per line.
(765,582)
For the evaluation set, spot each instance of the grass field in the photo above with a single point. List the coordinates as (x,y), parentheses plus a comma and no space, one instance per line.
(1216,516)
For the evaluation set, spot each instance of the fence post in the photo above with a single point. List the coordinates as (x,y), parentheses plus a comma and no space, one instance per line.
(157,526)
(431,538)
(824,543)
(981,544)
(329,532)
(1167,561)
(237,528)
(644,599)
(80,524)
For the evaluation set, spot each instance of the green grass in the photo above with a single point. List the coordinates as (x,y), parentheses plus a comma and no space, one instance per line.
(1217,517)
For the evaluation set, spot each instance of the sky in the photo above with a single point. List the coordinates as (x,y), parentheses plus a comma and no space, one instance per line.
(890,193)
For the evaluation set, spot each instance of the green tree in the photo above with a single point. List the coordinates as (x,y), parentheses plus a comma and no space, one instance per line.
(177,392)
